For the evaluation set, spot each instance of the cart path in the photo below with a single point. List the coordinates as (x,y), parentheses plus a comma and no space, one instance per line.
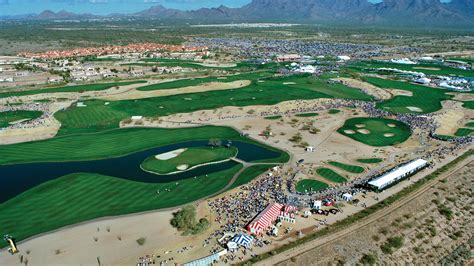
(325,240)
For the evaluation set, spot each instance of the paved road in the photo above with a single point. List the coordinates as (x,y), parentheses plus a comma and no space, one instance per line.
(319,242)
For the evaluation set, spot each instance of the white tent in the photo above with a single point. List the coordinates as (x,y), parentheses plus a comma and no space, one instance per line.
(347,197)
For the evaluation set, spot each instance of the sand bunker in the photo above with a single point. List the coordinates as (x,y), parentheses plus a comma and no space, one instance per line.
(360,126)
(169,155)
(349,132)
(368,88)
(396,92)
(388,135)
(391,125)
(289,83)
(414,109)
(428,68)
(363,131)
(182,167)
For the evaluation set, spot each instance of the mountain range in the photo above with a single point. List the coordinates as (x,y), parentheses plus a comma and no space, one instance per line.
(388,12)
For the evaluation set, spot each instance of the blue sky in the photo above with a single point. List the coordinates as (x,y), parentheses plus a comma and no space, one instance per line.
(102,7)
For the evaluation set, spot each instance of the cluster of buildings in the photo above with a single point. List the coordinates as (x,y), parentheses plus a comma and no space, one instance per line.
(106,50)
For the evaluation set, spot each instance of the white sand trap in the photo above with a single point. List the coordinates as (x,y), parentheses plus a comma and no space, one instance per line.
(169,155)
(182,167)
(349,132)
(80,104)
(363,131)
(221,78)
(188,99)
(388,135)
(18,121)
(427,68)
(414,109)
(360,126)
(289,83)
(260,81)
(391,125)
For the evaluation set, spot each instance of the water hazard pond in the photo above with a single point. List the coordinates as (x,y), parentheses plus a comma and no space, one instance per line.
(18,178)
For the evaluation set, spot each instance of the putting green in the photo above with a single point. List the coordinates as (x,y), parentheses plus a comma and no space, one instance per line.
(191,157)
(78,88)
(378,131)
(424,99)
(80,197)
(331,175)
(348,168)
(370,160)
(310,185)
(6,118)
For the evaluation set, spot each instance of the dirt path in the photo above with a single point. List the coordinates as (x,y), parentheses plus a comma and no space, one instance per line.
(361,223)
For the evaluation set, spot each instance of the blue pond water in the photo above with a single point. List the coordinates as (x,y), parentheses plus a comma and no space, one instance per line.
(18,178)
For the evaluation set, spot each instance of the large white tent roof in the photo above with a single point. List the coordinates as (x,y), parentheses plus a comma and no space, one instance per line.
(391,176)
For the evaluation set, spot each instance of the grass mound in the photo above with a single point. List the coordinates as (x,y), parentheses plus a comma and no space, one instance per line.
(276,117)
(348,168)
(377,130)
(464,132)
(370,160)
(469,105)
(11,116)
(191,157)
(334,111)
(307,115)
(310,185)
(331,175)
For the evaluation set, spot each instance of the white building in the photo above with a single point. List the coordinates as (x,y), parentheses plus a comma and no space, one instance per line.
(397,174)
(343,58)
(424,81)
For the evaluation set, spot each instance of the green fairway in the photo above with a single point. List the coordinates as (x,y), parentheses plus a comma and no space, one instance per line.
(309,185)
(77,88)
(114,143)
(250,174)
(307,115)
(80,197)
(376,131)
(331,175)
(463,132)
(276,117)
(469,105)
(427,68)
(12,116)
(424,99)
(370,160)
(191,157)
(348,168)
(97,116)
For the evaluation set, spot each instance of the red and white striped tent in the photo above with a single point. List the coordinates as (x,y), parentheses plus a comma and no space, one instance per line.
(265,218)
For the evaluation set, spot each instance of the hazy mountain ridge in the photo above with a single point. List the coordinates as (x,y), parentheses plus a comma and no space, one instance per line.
(423,12)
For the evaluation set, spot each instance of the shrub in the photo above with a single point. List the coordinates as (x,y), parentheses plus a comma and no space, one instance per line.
(368,259)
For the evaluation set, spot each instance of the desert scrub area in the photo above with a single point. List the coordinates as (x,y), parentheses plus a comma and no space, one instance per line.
(434,228)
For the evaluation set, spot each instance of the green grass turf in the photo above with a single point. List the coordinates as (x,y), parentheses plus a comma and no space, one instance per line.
(78,88)
(80,197)
(250,174)
(425,98)
(469,105)
(443,70)
(199,81)
(463,132)
(377,127)
(192,157)
(369,160)
(470,124)
(309,185)
(307,115)
(11,116)
(115,143)
(97,116)
(331,175)
(348,168)
(334,111)
(276,117)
